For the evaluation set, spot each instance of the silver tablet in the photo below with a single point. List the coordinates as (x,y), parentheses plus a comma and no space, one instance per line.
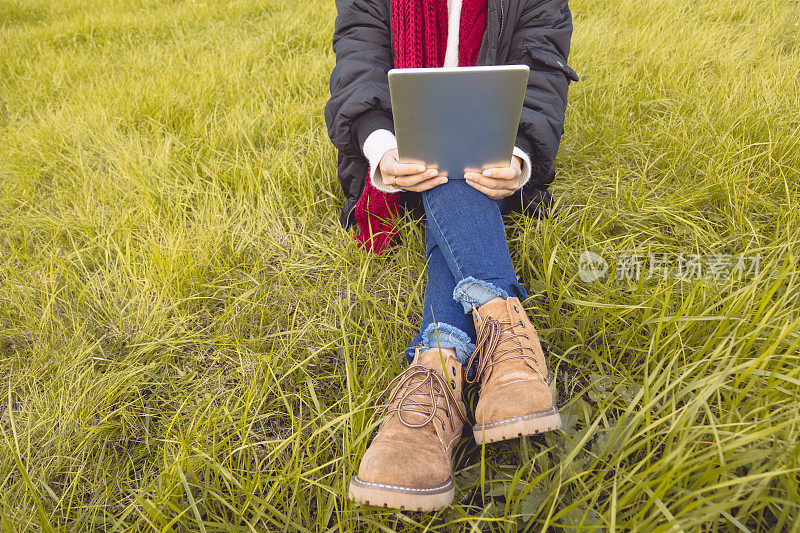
(457,118)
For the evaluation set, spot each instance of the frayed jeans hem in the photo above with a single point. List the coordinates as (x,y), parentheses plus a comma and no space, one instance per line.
(444,336)
(471,293)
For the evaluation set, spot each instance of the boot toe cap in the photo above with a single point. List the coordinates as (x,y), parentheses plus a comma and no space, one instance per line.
(514,399)
(405,465)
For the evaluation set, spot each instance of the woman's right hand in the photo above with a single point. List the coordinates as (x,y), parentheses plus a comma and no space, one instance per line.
(408,176)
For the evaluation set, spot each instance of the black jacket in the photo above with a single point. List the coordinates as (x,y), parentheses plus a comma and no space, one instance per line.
(532,32)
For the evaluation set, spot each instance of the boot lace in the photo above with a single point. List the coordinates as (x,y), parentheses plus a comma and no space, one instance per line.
(419,389)
(489,337)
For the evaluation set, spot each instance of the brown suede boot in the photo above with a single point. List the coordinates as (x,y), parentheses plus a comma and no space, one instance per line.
(517,394)
(407,466)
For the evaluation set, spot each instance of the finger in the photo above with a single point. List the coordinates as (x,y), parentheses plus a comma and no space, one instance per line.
(492,183)
(488,183)
(494,194)
(428,184)
(424,185)
(414,179)
(501,173)
(396,168)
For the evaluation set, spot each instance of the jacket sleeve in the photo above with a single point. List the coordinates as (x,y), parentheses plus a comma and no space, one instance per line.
(542,41)
(359,102)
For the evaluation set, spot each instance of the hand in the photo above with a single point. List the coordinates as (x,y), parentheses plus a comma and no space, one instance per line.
(408,176)
(499,182)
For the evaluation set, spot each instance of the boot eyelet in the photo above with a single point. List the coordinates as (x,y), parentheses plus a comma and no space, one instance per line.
(453,384)
(515,309)
(521,324)
(453,370)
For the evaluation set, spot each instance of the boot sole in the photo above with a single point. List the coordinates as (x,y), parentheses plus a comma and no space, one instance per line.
(520,426)
(399,497)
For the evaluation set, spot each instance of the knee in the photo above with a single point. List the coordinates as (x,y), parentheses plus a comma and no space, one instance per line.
(456,194)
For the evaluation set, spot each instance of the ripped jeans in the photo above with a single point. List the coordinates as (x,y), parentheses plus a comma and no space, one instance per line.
(468,265)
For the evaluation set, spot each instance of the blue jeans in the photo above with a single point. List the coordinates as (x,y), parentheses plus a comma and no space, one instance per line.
(468,265)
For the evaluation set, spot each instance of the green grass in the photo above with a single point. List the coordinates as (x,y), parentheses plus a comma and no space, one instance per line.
(190,342)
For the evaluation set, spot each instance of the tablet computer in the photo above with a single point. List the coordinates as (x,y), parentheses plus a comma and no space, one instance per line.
(457,118)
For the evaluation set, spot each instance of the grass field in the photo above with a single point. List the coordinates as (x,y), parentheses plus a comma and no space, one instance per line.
(190,342)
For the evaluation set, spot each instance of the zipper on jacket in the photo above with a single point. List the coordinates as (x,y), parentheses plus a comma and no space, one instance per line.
(500,24)
(502,19)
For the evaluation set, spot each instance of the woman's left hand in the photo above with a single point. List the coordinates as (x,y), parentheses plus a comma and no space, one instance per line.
(497,183)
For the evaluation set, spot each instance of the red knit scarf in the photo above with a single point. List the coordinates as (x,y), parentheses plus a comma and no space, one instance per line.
(419,30)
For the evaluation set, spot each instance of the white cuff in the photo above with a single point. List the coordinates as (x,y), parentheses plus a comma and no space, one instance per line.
(526,166)
(375,146)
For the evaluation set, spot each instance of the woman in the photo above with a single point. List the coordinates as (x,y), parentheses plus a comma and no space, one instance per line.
(472,289)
